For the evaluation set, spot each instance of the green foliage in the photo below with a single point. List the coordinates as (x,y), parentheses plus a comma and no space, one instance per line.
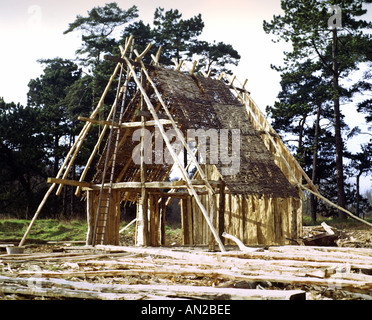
(216,58)
(22,160)
(48,94)
(312,80)
(175,35)
(178,39)
(97,29)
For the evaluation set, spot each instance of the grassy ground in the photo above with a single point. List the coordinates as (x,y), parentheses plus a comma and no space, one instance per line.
(55,230)
(75,230)
(43,230)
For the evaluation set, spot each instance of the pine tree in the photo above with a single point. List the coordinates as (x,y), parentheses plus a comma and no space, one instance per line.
(339,47)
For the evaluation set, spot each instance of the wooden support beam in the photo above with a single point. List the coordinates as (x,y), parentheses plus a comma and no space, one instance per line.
(178,65)
(156,58)
(318,195)
(162,221)
(137,124)
(221,211)
(182,194)
(140,56)
(193,67)
(143,230)
(67,182)
(180,184)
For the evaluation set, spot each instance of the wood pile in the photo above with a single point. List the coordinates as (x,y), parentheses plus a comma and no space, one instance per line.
(325,235)
(116,272)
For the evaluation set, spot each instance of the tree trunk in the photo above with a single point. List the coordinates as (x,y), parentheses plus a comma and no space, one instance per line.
(56,156)
(341,198)
(357,194)
(313,199)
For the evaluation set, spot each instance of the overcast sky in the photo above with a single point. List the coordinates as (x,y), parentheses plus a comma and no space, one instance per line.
(33,29)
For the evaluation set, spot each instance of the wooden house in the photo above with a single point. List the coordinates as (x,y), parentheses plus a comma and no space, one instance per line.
(259,203)
(249,187)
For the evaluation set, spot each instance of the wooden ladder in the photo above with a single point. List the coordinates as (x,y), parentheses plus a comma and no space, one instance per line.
(103,207)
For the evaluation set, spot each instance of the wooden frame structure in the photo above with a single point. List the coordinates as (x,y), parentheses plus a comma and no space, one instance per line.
(260,205)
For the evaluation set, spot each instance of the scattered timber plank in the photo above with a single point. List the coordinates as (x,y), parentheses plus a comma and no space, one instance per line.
(341,250)
(333,268)
(240,244)
(66,288)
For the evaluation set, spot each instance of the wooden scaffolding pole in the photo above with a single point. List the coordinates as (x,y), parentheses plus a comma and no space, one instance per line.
(76,147)
(173,154)
(254,111)
(88,125)
(317,194)
(142,229)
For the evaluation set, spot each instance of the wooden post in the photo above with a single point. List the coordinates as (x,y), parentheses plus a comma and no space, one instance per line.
(190,220)
(90,217)
(212,216)
(142,214)
(221,211)
(162,221)
(142,224)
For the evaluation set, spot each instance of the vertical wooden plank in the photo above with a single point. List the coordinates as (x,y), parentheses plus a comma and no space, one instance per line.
(195,222)
(117,218)
(250,233)
(243,217)
(298,203)
(294,225)
(90,217)
(221,211)
(156,214)
(229,217)
(185,209)
(276,209)
(142,221)
(260,207)
(270,220)
(150,224)
(190,221)
(204,231)
(113,220)
(212,211)
(287,207)
(153,221)
(183,222)
(162,221)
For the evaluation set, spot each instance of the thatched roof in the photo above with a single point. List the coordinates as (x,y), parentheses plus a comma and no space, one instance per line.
(197,102)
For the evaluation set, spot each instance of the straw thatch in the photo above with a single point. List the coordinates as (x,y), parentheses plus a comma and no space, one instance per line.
(201,103)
